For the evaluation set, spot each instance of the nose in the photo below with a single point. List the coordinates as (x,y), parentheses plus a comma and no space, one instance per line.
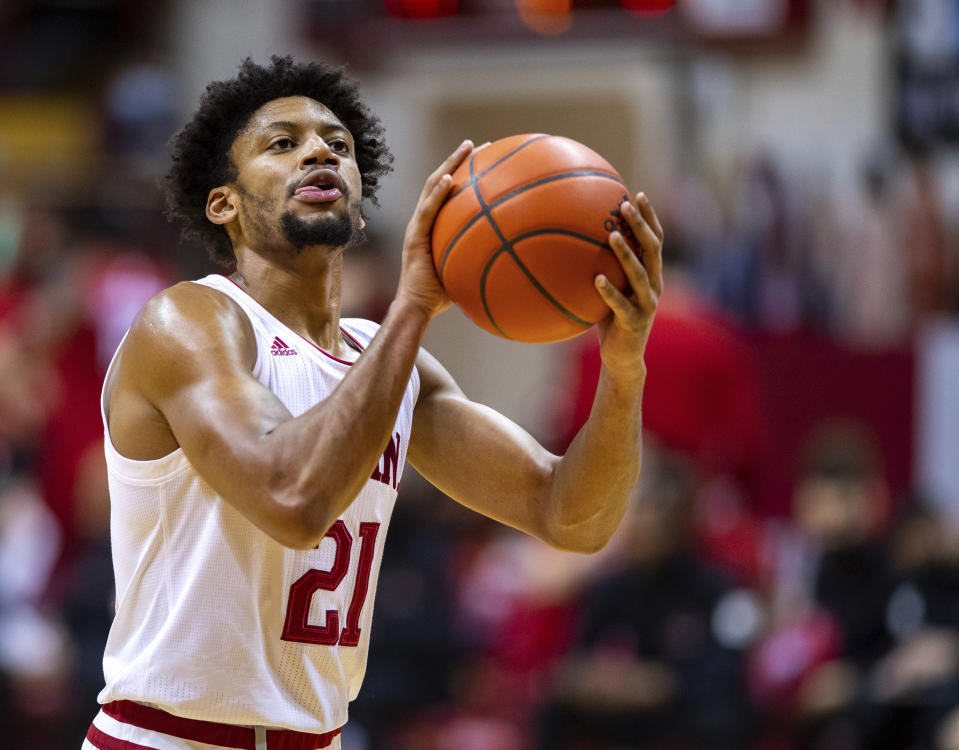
(318,152)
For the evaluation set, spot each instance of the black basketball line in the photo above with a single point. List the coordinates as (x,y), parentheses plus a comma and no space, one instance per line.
(507,247)
(510,195)
(499,161)
(560,230)
(484,211)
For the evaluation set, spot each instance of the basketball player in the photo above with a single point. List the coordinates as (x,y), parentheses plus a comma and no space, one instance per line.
(255,440)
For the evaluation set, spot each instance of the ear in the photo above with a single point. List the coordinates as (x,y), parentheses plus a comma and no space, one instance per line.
(221,205)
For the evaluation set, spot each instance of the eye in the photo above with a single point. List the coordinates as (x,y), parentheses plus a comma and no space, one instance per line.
(282,143)
(340,146)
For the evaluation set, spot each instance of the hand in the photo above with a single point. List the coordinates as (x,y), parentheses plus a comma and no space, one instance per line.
(623,335)
(418,280)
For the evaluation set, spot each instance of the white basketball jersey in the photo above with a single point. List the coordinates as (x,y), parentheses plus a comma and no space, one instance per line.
(214,619)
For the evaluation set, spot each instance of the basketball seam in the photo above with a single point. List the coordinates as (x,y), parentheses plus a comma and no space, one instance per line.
(507,246)
(560,230)
(499,161)
(487,208)
(485,211)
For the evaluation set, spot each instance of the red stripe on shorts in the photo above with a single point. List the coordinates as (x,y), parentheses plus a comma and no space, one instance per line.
(212,732)
(103,741)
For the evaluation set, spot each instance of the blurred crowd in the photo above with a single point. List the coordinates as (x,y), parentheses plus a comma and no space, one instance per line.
(731,610)
(780,582)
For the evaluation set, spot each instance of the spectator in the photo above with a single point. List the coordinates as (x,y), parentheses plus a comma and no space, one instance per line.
(914,688)
(658,661)
(828,636)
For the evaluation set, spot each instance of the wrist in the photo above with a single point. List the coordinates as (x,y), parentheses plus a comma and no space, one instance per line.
(626,381)
(409,310)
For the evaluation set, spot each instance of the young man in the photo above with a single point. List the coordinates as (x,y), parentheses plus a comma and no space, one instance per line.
(255,440)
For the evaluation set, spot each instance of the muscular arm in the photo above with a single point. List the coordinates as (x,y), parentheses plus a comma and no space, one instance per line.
(190,356)
(488,463)
(188,360)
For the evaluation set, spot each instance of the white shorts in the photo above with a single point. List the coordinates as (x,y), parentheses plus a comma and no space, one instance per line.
(107,733)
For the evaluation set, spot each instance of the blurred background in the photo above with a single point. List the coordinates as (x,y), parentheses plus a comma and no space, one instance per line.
(788,574)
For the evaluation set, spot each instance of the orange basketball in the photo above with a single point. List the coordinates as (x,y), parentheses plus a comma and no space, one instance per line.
(525,231)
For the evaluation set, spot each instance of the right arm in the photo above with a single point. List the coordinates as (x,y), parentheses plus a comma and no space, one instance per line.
(292,477)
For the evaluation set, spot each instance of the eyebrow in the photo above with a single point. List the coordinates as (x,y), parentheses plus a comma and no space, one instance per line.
(289,124)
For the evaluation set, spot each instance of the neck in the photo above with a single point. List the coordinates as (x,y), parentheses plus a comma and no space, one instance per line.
(303,294)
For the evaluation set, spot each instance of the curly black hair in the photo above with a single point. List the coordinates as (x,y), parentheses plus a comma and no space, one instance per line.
(199,151)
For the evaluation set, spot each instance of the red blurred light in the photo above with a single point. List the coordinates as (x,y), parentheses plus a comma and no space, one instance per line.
(421,9)
(647,7)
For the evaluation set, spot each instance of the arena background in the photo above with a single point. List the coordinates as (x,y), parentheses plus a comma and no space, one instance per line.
(789,577)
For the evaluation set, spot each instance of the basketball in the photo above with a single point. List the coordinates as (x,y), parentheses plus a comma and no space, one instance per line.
(523,233)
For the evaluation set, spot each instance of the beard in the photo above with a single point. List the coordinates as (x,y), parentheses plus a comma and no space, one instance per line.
(341,232)
(338,231)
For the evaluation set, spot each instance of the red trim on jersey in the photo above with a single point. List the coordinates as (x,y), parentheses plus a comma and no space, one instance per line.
(352,338)
(210,732)
(321,351)
(103,741)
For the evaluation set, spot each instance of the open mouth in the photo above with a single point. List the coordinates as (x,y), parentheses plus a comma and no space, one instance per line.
(320,186)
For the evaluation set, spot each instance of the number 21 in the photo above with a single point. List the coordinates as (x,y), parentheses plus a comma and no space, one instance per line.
(297,627)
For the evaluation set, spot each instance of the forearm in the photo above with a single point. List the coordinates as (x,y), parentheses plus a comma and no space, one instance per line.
(593,481)
(319,461)
(333,448)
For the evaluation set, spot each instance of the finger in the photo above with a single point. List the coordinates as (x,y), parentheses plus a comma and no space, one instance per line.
(451,162)
(636,273)
(649,214)
(429,205)
(641,230)
(650,242)
(622,308)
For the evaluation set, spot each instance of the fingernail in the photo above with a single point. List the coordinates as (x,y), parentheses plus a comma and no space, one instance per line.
(642,197)
(467,142)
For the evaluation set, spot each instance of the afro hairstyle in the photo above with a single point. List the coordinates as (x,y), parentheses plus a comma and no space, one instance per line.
(200,151)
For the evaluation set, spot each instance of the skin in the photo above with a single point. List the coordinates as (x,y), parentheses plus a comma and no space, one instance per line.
(275,468)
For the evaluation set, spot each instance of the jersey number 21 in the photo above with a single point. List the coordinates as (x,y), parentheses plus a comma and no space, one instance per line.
(297,627)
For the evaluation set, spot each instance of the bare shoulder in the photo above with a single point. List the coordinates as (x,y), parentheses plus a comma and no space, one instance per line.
(187,320)
(185,335)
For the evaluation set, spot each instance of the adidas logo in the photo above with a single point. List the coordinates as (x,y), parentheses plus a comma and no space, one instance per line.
(279,349)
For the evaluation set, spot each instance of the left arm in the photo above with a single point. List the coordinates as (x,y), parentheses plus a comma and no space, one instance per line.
(486,462)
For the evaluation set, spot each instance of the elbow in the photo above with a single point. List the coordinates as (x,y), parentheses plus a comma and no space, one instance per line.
(298,521)
(303,507)
(585,538)
(583,543)
(306,526)
(294,528)
(590,532)
(299,538)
